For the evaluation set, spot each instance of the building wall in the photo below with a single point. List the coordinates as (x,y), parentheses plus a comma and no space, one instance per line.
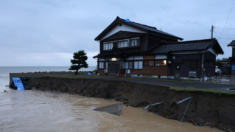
(101,71)
(233,53)
(210,71)
(161,71)
(184,61)
(146,57)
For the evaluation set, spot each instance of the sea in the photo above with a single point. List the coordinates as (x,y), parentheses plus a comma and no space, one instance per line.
(44,111)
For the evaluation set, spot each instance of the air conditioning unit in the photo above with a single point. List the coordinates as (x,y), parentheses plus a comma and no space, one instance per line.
(128,71)
(105,70)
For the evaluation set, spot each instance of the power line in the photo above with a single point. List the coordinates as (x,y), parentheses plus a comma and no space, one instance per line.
(225,28)
(226,38)
(224,34)
(227,18)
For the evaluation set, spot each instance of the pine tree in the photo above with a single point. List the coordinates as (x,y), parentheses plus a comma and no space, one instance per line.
(79,61)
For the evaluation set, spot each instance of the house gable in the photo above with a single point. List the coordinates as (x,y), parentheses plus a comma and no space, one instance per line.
(121,27)
(122,35)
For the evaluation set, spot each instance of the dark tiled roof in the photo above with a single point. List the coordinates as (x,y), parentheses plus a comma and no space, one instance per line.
(196,45)
(118,53)
(232,43)
(149,28)
(136,25)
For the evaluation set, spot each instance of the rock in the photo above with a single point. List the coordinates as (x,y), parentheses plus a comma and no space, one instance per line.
(5,91)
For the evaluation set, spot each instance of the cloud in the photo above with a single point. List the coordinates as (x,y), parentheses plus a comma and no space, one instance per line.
(47,32)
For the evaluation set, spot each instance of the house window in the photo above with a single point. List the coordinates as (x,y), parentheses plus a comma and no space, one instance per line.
(193,64)
(123,44)
(138,64)
(108,45)
(107,65)
(128,65)
(149,63)
(134,42)
(160,63)
(206,63)
(101,65)
(210,63)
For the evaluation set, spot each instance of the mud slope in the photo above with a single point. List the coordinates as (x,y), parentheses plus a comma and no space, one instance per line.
(204,109)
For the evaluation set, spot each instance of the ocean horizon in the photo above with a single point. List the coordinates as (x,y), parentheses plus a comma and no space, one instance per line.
(5,70)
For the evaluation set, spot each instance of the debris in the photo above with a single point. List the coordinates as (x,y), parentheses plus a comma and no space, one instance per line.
(153,105)
(5,91)
(114,109)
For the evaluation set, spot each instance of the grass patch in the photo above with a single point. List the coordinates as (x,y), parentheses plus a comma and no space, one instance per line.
(190,89)
(75,76)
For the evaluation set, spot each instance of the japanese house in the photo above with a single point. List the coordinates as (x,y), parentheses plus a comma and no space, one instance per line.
(232,59)
(128,47)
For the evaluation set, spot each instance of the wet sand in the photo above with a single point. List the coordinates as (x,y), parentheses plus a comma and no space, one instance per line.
(46,111)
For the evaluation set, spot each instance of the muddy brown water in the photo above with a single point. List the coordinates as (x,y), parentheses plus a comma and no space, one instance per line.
(27,111)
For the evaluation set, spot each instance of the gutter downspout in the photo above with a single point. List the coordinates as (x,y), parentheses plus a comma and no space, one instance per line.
(202,65)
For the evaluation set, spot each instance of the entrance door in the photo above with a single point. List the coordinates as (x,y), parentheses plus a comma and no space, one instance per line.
(114,68)
(177,71)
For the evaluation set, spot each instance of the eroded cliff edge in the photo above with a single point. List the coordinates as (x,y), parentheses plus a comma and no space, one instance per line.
(215,110)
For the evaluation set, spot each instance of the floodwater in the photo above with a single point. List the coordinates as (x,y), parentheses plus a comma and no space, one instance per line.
(38,111)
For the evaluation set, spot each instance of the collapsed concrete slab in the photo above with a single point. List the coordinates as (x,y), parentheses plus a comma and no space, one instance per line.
(114,109)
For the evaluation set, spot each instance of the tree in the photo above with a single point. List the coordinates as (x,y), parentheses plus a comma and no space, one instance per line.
(219,61)
(79,61)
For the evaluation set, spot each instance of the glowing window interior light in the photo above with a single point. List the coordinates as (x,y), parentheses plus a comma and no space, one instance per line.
(164,62)
(114,59)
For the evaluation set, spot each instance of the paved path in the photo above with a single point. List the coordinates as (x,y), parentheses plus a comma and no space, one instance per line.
(176,83)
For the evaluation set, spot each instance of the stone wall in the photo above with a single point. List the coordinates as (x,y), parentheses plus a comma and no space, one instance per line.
(39,74)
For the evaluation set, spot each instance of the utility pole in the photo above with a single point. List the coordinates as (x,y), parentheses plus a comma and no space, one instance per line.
(212,30)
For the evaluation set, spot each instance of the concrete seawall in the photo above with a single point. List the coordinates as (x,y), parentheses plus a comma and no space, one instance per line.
(205,109)
(40,74)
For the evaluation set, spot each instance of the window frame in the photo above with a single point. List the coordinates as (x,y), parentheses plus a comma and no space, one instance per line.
(137,42)
(138,65)
(107,46)
(122,44)
(210,62)
(162,60)
(148,63)
(128,65)
(103,64)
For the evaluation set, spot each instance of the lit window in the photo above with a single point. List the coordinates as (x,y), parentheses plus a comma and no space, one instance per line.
(138,64)
(160,63)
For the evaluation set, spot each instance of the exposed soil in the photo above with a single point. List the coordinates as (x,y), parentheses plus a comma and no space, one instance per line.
(205,109)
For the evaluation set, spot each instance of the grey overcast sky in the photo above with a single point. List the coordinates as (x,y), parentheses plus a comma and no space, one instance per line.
(47,32)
